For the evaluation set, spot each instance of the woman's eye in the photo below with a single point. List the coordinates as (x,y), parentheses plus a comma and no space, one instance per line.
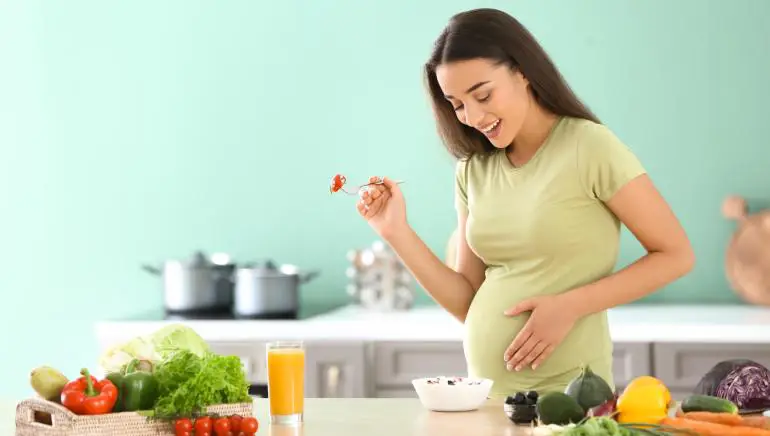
(485,98)
(457,108)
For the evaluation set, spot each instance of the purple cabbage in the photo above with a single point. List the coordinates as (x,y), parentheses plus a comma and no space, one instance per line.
(744,382)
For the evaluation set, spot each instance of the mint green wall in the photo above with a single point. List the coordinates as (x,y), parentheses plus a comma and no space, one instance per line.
(135,131)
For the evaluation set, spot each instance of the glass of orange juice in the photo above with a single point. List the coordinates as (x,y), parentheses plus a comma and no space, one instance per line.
(286,381)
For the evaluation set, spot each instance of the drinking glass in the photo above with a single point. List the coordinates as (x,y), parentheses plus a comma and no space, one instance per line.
(286,381)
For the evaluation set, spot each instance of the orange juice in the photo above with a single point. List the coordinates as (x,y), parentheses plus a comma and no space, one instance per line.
(286,380)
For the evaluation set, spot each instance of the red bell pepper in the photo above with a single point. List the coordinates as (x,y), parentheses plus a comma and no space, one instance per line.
(87,396)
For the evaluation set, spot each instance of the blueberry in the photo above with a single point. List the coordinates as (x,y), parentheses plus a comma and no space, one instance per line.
(531,401)
(532,395)
(519,398)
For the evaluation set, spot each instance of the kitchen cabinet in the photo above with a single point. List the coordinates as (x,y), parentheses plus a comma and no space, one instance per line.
(335,369)
(397,363)
(681,365)
(630,360)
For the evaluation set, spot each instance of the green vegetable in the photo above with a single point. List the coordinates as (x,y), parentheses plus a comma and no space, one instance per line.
(606,426)
(708,403)
(559,408)
(188,383)
(154,347)
(137,388)
(589,389)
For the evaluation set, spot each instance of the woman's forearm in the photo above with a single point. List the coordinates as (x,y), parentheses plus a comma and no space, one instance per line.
(447,287)
(639,279)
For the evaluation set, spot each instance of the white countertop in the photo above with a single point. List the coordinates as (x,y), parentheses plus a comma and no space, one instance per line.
(357,416)
(636,323)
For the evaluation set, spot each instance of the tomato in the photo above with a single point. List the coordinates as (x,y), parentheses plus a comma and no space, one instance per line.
(222,426)
(235,424)
(202,433)
(338,181)
(202,425)
(183,426)
(249,425)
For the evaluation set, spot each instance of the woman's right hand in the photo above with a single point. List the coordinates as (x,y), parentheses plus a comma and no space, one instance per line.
(383,207)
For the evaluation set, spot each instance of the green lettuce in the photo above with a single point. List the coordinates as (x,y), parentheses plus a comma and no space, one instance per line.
(154,347)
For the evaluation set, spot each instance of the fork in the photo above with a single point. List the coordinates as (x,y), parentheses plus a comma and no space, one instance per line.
(360,187)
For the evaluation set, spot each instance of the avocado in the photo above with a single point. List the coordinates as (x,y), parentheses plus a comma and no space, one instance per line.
(559,408)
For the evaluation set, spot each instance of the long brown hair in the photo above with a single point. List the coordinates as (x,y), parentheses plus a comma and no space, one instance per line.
(494,35)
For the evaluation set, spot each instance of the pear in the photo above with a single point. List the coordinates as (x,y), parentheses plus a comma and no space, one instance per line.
(48,382)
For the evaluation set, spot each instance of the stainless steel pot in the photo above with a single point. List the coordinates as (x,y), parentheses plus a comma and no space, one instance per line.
(196,286)
(266,291)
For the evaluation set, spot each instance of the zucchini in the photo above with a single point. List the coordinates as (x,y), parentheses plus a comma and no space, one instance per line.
(708,403)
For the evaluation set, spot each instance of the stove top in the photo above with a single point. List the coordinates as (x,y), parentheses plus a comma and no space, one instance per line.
(308,310)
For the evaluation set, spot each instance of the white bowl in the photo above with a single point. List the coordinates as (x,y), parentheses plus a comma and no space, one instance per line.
(438,395)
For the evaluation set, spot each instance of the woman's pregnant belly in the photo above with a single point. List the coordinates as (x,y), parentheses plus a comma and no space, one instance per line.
(489,332)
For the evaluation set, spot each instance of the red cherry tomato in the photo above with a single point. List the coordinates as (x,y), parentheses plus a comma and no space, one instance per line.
(183,426)
(249,425)
(338,181)
(202,425)
(222,426)
(235,424)
(202,433)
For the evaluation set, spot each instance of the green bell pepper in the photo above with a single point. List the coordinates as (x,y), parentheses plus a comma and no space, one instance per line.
(137,389)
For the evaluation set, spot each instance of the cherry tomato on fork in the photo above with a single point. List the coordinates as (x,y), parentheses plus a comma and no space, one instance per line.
(338,181)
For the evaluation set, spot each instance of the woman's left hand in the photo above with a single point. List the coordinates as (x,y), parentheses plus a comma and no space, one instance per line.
(548,325)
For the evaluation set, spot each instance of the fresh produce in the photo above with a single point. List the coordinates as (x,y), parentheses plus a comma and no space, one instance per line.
(338,181)
(137,388)
(589,389)
(744,382)
(605,426)
(48,382)
(87,396)
(608,408)
(520,408)
(647,380)
(154,347)
(216,426)
(187,383)
(642,404)
(733,419)
(558,408)
(707,403)
(703,428)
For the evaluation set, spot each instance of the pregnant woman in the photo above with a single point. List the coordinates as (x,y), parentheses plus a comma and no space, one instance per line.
(541,190)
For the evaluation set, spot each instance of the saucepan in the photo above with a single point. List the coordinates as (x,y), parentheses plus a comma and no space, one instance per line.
(267,291)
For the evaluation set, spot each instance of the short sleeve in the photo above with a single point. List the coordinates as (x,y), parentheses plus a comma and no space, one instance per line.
(605,164)
(461,186)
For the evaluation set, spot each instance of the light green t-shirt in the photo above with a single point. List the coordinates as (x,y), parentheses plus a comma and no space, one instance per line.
(543,228)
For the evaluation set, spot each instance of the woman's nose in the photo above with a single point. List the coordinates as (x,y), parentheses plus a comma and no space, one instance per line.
(473,116)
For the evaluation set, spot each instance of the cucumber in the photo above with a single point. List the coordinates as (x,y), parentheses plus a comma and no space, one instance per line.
(708,403)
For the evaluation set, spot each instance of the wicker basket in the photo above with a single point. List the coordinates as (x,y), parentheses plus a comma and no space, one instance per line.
(36,416)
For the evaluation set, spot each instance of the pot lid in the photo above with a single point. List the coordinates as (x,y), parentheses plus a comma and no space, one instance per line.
(269,267)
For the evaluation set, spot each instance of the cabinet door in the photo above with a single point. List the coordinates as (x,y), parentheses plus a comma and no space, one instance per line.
(630,360)
(682,365)
(397,363)
(335,370)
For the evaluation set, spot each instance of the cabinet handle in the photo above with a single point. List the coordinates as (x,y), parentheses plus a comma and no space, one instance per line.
(332,381)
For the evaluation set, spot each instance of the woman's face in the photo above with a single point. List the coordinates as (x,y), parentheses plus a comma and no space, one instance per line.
(490,98)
